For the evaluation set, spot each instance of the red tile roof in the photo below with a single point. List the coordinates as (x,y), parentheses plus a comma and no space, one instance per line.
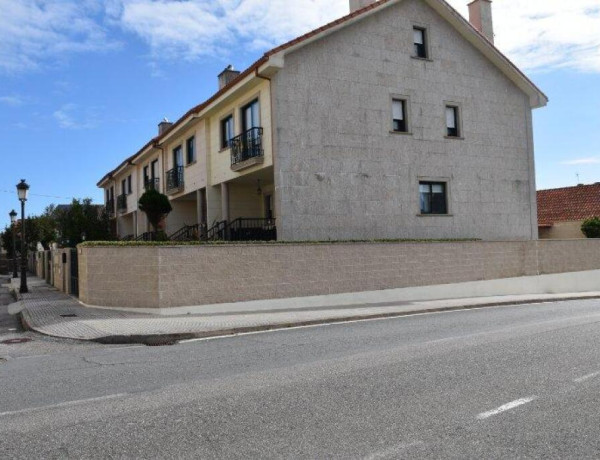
(568,204)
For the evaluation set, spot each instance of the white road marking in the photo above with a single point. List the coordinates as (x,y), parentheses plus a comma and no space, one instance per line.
(505,407)
(60,405)
(586,377)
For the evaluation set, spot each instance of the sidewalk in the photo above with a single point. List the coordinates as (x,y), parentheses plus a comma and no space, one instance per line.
(50,312)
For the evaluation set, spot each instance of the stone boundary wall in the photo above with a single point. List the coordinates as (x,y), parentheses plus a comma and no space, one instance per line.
(49,265)
(175,276)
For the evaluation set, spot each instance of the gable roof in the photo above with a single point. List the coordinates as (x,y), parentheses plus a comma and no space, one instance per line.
(480,41)
(568,204)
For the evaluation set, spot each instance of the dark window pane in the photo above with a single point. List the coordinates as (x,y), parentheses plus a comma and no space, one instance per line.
(419,42)
(191,154)
(433,198)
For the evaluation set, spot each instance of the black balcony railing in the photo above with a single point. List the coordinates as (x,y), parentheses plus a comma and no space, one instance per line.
(246,146)
(175,179)
(110,207)
(253,229)
(151,184)
(122,203)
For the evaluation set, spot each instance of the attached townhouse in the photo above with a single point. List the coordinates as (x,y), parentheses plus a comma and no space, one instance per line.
(399,120)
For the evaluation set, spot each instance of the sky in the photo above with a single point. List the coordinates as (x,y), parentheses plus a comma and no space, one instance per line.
(83,83)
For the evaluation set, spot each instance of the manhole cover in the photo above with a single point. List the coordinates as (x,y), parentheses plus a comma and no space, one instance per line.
(70,315)
(15,341)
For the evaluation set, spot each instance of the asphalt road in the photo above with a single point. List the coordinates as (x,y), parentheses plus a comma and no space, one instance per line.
(492,383)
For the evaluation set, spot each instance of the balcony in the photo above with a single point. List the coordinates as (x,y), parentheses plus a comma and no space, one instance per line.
(152,184)
(110,208)
(122,203)
(175,179)
(247,149)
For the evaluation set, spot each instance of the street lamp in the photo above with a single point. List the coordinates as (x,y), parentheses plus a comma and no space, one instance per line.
(22,191)
(13,221)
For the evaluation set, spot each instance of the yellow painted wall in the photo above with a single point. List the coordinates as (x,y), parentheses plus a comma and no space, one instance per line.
(563,231)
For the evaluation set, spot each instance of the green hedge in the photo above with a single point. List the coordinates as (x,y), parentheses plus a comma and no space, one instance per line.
(96,244)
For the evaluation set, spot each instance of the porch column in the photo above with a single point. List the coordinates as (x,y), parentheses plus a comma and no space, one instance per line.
(225,201)
(200,208)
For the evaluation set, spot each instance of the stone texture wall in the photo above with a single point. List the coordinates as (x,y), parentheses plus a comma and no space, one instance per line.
(153,277)
(341,174)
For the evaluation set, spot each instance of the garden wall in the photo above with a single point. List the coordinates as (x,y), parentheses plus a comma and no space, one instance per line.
(174,276)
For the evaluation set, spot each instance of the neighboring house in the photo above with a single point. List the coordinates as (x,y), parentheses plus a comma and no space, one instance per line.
(400,120)
(561,211)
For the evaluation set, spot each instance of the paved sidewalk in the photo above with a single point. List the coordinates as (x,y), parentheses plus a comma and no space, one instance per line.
(53,313)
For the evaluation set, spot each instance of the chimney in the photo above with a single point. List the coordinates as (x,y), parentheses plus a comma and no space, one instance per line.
(227,76)
(358,4)
(164,125)
(480,17)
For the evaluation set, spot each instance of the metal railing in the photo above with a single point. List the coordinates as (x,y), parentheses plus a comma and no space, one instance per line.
(152,184)
(175,178)
(122,203)
(148,236)
(246,146)
(252,229)
(189,233)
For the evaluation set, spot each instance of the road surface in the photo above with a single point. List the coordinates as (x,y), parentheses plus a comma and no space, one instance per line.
(519,381)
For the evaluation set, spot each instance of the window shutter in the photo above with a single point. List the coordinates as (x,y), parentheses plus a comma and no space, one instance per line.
(398,110)
(418,37)
(450,117)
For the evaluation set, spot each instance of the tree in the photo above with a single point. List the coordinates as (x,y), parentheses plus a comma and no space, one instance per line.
(591,227)
(156,206)
(79,221)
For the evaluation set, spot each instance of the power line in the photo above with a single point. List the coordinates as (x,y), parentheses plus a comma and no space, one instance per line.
(44,196)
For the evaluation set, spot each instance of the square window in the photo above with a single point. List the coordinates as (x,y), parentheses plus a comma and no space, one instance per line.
(226,131)
(399,119)
(420,42)
(433,198)
(452,121)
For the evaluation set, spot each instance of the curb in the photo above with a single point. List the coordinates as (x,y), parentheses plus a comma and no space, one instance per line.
(172,339)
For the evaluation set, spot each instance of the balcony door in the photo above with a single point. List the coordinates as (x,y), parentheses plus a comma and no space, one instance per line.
(177,157)
(154,169)
(251,116)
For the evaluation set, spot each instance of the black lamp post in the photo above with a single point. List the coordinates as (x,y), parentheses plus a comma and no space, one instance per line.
(13,222)
(22,191)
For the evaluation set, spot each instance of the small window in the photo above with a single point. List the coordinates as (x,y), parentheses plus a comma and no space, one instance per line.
(177,157)
(129,185)
(433,198)
(420,42)
(226,131)
(452,121)
(190,145)
(399,124)
(146,174)
(250,116)
(124,187)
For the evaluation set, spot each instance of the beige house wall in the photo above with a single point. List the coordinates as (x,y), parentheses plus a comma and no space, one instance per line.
(220,160)
(563,231)
(171,276)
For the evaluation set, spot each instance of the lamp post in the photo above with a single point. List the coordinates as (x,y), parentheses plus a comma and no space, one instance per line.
(13,222)
(22,191)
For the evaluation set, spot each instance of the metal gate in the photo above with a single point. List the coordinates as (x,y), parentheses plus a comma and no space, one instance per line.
(74,273)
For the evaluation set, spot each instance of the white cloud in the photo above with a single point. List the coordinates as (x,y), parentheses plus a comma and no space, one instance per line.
(71,116)
(13,100)
(33,32)
(582,161)
(536,34)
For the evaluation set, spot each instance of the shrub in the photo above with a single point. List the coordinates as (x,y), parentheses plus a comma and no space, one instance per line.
(156,206)
(591,227)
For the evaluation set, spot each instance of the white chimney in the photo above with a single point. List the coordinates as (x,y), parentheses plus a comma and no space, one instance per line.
(358,4)
(480,17)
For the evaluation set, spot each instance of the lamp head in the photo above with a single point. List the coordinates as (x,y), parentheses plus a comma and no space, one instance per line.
(22,190)
(13,216)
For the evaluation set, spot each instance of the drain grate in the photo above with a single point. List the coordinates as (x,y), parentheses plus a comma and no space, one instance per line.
(15,341)
(70,315)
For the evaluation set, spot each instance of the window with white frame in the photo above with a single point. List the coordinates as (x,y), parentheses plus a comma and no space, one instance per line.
(433,198)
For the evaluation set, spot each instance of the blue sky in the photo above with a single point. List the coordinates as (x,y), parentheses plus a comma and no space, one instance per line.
(83,83)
